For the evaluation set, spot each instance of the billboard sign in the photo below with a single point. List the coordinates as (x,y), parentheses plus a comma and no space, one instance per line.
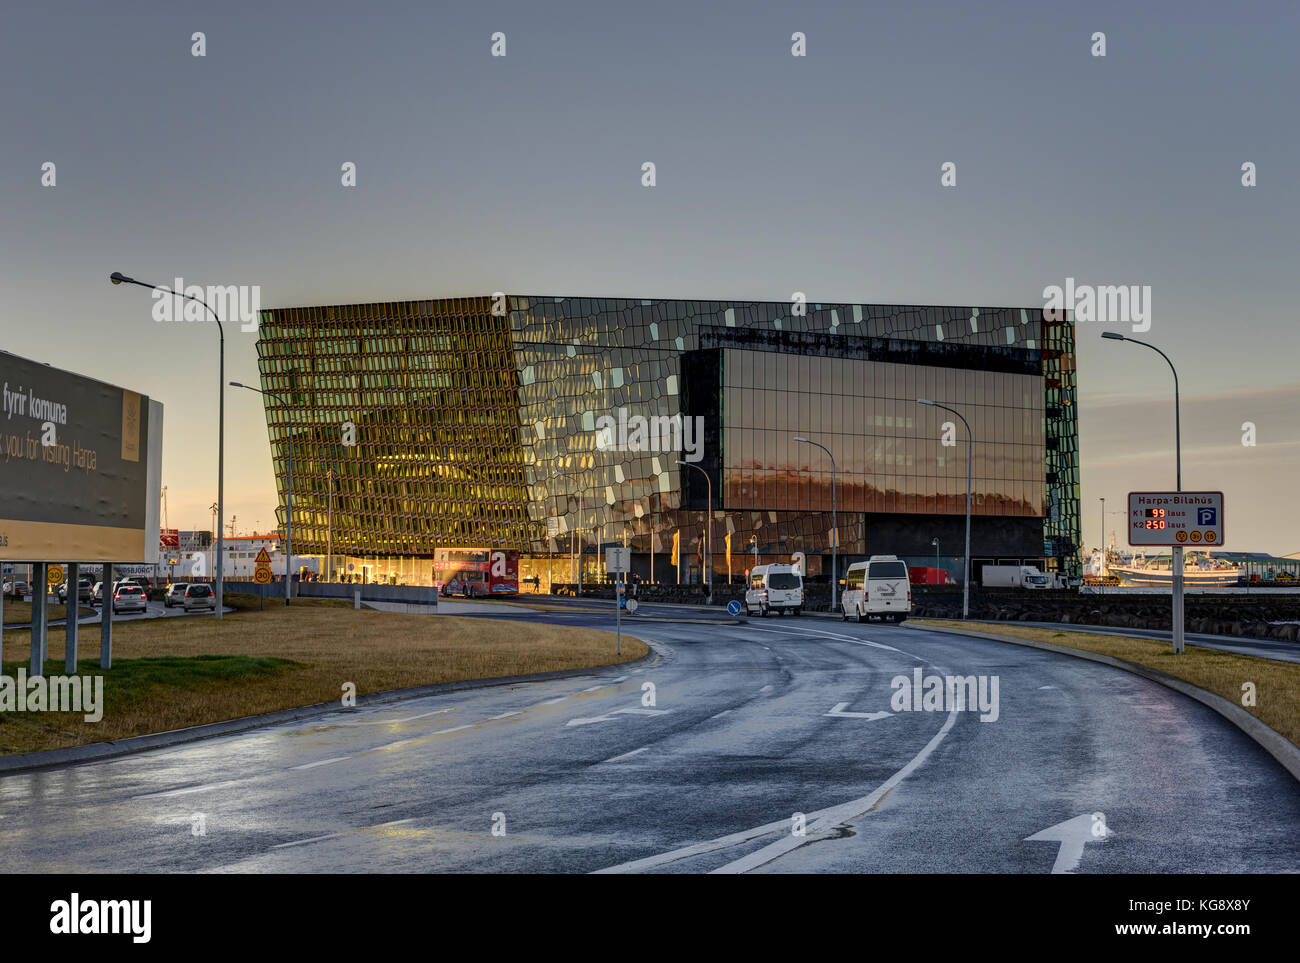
(1171,519)
(80,467)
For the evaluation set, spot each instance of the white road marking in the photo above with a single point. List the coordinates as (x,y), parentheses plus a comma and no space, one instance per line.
(818,822)
(504,715)
(551,702)
(588,720)
(186,791)
(452,729)
(828,819)
(767,688)
(304,842)
(393,745)
(1042,687)
(720,714)
(843,638)
(839,707)
(393,722)
(323,762)
(1071,834)
(609,716)
(594,688)
(628,755)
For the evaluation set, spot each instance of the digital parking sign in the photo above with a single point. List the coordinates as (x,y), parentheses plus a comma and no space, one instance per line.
(1171,519)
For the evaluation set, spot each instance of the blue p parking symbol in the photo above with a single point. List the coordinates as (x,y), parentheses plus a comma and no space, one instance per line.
(1206,517)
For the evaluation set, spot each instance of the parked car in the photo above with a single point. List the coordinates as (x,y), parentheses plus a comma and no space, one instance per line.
(129,597)
(18,589)
(199,596)
(878,586)
(774,588)
(85,590)
(174,594)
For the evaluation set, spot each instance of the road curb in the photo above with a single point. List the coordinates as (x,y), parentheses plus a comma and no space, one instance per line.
(96,751)
(1268,738)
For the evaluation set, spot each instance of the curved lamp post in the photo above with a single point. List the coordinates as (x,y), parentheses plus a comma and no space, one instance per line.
(835,535)
(118,277)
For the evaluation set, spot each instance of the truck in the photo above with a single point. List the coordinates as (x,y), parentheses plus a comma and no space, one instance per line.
(1014,576)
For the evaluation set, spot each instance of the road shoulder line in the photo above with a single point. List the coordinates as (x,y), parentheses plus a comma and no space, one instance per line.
(96,751)
(1269,739)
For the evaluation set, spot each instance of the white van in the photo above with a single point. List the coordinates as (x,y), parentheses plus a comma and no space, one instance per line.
(878,586)
(774,588)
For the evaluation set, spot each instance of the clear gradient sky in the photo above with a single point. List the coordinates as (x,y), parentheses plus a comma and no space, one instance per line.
(775,174)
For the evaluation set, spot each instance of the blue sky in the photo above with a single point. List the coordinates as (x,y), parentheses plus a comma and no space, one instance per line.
(775,174)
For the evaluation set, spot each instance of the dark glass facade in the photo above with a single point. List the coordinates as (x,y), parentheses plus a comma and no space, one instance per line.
(477,421)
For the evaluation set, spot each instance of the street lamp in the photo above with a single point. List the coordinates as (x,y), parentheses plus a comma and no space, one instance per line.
(1178,467)
(970,454)
(288,494)
(708,541)
(118,277)
(935,542)
(835,537)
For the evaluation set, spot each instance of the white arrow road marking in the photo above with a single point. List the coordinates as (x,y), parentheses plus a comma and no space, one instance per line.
(839,708)
(1071,834)
(836,635)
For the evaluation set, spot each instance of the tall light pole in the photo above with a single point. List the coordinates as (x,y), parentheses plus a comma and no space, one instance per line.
(935,542)
(288,492)
(835,535)
(1177,550)
(119,278)
(1101,569)
(329,475)
(708,540)
(970,455)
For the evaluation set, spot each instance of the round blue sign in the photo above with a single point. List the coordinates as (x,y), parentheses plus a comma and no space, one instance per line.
(733,607)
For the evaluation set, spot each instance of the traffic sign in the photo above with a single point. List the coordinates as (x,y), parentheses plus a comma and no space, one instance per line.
(54,576)
(263,557)
(262,575)
(733,607)
(1175,518)
(618,560)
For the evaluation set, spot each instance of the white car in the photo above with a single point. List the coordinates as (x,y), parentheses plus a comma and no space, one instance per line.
(199,596)
(129,597)
(774,588)
(877,587)
(175,592)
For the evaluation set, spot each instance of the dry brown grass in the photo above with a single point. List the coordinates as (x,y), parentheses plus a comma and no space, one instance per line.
(330,644)
(20,613)
(1277,684)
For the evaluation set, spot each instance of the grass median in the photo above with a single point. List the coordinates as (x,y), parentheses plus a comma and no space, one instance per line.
(20,613)
(1276,684)
(179,672)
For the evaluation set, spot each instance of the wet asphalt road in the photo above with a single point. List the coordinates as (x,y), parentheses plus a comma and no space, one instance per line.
(750,725)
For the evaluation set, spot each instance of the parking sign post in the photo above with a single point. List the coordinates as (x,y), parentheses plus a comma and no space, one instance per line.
(1175,520)
(618,561)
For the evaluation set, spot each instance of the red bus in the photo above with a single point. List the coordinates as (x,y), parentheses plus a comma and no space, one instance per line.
(471,572)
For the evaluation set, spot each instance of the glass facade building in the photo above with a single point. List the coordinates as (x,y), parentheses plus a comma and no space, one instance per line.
(515,422)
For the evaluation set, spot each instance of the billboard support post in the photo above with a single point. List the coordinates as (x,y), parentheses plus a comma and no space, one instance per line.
(70,619)
(39,572)
(106,618)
